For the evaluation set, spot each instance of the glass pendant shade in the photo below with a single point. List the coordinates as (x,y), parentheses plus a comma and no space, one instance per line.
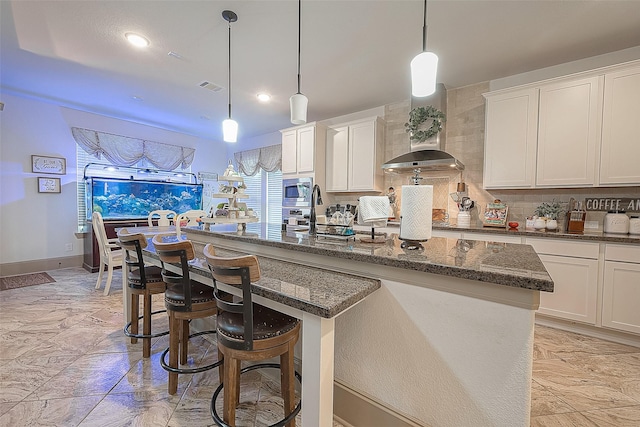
(298,104)
(230,130)
(423,74)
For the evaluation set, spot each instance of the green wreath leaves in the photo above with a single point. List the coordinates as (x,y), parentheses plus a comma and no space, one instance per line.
(417,117)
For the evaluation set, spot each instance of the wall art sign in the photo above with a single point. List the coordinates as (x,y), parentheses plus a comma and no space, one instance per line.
(46,164)
(613,204)
(48,185)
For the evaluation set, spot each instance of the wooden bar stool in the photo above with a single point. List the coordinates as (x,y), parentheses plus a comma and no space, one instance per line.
(143,281)
(184,300)
(250,332)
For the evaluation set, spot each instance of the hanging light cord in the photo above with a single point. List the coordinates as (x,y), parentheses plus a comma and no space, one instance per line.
(299,19)
(229,91)
(424,28)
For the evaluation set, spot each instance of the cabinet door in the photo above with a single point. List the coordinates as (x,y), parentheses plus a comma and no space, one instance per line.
(289,152)
(620,133)
(568,127)
(510,139)
(337,159)
(575,288)
(362,156)
(621,296)
(306,149)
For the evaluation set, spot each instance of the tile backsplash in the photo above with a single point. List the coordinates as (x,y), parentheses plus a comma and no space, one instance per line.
(465,140)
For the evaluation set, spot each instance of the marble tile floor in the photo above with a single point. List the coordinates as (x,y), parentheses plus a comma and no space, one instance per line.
(65,362)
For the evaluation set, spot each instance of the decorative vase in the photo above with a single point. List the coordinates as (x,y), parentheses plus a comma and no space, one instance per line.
(552,224)
(539,223)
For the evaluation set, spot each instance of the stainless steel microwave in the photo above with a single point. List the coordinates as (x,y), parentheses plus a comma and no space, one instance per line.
(297,192)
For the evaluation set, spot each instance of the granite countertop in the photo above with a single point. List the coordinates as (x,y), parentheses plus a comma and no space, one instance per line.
(587,235)
(317,291)
(504,264)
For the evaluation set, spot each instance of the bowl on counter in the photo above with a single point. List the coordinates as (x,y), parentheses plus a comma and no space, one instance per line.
(513,225)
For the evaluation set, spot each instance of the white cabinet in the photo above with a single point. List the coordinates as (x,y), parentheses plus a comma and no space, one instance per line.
(621,290)
(354,156)
(510,139)
(568,133)
(620,132)
(301,152)
(573,266)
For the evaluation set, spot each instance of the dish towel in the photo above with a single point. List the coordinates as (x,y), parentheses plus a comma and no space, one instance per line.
(373,211)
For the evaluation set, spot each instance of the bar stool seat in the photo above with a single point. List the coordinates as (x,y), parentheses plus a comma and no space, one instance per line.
(142,281)
(250,332)
(184,300)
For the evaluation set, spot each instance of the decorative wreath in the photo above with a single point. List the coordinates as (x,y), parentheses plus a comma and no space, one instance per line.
(417,117)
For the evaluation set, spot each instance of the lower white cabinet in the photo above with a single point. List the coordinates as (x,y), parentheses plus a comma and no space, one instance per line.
(573,266)
(621,290)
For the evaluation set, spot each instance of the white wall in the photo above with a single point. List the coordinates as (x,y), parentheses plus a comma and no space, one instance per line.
(37,226)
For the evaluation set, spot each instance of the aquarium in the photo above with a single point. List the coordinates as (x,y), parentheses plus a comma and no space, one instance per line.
(128,199)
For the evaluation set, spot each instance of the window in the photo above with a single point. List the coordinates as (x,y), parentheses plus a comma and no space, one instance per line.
(265,195)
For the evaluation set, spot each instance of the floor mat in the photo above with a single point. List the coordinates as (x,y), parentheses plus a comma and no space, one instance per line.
(22,280)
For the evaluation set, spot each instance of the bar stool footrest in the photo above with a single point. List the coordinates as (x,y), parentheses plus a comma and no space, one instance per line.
(128,333)
(281,423)
(168,368)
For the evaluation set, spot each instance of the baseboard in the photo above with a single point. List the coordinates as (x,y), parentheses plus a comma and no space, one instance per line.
(589,330)
(353,409)
(36,266)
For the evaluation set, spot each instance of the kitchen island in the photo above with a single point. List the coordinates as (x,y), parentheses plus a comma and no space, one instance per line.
(446,341)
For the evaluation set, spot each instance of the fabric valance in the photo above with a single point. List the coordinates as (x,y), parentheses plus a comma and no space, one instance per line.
(124,151)
(251,161)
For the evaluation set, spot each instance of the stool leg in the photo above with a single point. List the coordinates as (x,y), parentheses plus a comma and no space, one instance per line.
(184,342)
(231,389)
(287,384)
(146,324)
(135,303)
(220,366)
(174,337)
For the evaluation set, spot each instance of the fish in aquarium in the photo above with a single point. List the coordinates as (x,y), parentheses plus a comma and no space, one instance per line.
(115,198)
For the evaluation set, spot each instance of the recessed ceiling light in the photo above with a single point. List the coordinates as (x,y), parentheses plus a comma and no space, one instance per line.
(137,98)
(137,40)
(264,97)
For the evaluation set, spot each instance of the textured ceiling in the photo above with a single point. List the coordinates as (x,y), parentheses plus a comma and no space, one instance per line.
(355,54)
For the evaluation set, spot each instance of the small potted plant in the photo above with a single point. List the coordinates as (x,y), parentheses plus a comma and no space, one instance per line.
(241,187)
(550,211)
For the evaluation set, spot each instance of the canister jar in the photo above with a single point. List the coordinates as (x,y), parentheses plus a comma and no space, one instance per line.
(634,225)
(616,222)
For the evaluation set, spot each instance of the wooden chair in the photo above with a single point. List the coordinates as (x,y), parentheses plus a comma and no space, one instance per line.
(189,219)
(184,300)
(110,253)
(165,217)
(143,281)
(250,332)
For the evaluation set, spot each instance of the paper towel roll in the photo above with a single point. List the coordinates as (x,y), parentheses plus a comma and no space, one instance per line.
(416,205)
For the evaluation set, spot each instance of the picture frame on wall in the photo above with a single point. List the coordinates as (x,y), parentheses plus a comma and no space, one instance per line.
(48,164)
(48,185)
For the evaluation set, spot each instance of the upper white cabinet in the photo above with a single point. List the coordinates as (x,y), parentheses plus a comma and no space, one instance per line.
(511,130)
(354,156)
(301,150)
(576,131)
(620,150)
(568,133)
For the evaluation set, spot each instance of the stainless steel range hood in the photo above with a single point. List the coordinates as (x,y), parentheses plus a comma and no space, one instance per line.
(429,155)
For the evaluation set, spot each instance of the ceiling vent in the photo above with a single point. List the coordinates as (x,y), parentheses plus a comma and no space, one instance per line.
(212,87)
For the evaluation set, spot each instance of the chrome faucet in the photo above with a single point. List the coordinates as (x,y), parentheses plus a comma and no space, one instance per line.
(314,201)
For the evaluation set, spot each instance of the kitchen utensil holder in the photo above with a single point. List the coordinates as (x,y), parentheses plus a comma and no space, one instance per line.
(575,221)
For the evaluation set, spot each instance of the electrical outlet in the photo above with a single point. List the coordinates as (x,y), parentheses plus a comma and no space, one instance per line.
(68,247)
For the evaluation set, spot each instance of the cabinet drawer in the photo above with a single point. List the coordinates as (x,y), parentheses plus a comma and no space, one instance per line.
(623,253)
(564,248)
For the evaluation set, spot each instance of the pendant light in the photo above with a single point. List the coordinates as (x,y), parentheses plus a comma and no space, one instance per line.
(424,66)
(298,102)
(229,126)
